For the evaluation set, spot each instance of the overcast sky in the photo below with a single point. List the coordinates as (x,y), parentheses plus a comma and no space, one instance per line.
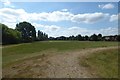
(63,18)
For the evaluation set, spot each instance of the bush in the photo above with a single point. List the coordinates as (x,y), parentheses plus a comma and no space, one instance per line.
(10,36)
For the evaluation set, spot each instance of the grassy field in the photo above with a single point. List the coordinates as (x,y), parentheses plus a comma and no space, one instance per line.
(103,63)
(13,53)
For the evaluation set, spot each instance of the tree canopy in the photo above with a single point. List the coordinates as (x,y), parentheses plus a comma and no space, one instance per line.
(10,36)
(27,30)
(42,36)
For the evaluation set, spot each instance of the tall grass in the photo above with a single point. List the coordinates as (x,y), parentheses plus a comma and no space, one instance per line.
(103,63)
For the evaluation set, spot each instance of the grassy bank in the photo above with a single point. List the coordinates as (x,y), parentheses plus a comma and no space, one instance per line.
(15,52)
(103,63)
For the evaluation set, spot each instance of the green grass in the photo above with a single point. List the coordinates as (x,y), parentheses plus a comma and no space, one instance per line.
(12,53)
(103,63)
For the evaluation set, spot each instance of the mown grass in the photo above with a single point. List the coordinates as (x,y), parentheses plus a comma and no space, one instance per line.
(103,63)
(15,52)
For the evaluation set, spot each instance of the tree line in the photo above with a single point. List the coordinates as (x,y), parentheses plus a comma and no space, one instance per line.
(25,32)
(93,37)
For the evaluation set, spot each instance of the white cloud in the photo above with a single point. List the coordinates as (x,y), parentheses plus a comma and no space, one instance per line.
(89,17)
(7,3)
(115,17)
(76,30)
(12,16)
(58,16)
(18,15)
(109,31)
(47,28)
(106,6)
(51,30)
(10,24)
(85,31)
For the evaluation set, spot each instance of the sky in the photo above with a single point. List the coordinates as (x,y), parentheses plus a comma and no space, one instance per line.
(63,18)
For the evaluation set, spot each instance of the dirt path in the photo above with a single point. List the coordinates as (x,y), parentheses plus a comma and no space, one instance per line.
(64,65)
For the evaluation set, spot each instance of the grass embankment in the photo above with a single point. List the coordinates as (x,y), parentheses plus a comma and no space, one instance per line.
(12,53)
(103,63)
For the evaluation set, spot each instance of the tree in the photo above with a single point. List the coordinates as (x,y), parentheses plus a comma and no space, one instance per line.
(27,30)
(72,37)
(118,37)
(94,37)
(42,36)
(10,36)
(79,37)
(61,38)
(51,38)
(99,37)
(86,38)
(45,36)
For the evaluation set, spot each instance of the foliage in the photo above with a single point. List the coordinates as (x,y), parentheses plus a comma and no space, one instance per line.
(79,37)
(42,36)
(86,38)
(99,37)
(94,37)
(10,36)
(27,30)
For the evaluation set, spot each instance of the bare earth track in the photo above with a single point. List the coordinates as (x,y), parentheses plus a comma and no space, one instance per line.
(64,65)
